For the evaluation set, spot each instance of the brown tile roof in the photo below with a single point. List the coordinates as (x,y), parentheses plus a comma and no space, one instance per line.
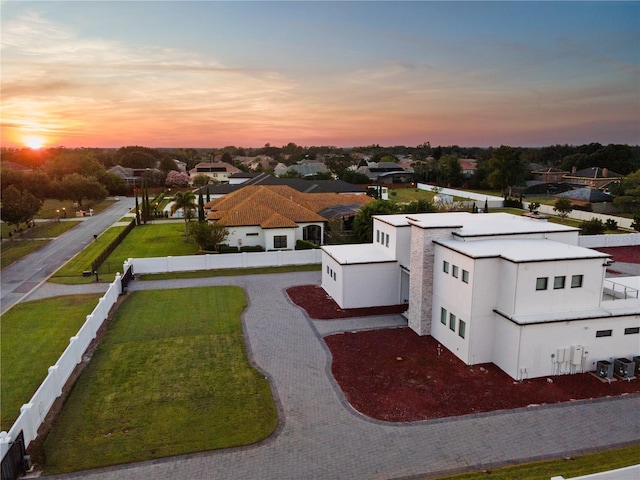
(275,206)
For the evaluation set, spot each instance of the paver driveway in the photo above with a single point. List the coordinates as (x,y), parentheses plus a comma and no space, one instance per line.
(321,437)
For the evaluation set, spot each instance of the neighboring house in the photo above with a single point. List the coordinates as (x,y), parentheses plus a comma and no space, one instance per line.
(275,216)
(299,184)
(306,169)
(131,176)
(377,171)
(218,171)
(548,175)
(180,165)
(514,291)
(594,177)
(468,167)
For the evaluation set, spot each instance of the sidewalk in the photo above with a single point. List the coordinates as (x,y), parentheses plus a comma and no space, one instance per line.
(321,437)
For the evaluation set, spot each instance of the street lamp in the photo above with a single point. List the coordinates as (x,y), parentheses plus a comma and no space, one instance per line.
(58,213)
(64,211)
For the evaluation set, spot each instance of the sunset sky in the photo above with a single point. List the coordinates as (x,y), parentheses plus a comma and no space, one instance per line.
(211,74)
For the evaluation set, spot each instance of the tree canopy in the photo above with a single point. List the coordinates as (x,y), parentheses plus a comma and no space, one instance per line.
(18,206)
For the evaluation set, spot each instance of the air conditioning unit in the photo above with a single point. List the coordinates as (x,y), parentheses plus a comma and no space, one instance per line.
(623,367)
(636,359)
(604,369)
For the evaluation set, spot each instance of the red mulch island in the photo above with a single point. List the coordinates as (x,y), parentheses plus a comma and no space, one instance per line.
(623,254)
(321,306)
(395,375)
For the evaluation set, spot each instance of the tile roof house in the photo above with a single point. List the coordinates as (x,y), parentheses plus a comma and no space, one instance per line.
(493,288)
(275,216)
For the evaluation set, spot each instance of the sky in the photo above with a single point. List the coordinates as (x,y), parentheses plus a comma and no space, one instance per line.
(208,74)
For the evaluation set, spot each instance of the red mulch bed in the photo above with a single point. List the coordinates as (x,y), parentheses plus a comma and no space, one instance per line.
(395,375)
(623,254)
(321,306)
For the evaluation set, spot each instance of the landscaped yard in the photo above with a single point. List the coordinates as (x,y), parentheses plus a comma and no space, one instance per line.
(71,272)
(33,335)
(171,376)
(66,209)
(151,240)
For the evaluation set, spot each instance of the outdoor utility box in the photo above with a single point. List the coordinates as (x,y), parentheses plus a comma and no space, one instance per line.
(604,369)
(623,367)
(636,359)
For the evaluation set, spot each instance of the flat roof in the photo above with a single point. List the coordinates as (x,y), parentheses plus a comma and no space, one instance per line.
(486,224)
(521,249)
(358,253)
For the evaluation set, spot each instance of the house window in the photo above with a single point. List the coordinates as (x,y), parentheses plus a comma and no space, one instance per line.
(254,234)
(443,316)
(334,275)
(327,268)
(558,282)
(462,327)
(377,236)
(631,330)
(279,241)
(386,243)
(465,276)
(603,333)
(576,281)
(454,272)
(452,322)
(541,283)
(445,267)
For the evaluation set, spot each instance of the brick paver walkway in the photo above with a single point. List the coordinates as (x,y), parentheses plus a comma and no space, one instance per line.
(321,437)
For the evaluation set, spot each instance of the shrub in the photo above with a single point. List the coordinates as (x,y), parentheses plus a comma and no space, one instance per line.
(594,226)
(228,249)
(304,245)
(512,203)
(611,224)
(252,248)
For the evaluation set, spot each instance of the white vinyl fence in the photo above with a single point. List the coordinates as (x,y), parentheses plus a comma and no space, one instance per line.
(32,414)
(189,263)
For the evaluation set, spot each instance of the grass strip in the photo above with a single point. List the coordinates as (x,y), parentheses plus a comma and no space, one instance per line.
(171,376)
(229,272)
(71,272)
(33,335)
(569,467)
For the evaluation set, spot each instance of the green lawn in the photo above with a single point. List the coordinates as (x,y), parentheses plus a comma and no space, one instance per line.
(71,272)
(170,377)
(407,195)
(151,240)
(66,209)
(568,468)
(33,335)
(230,272)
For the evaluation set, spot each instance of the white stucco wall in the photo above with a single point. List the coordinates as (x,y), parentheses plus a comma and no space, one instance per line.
(528,300)
(333,286)
(485,278)
(537,344)
(238,236)
(270,233)
(369,285)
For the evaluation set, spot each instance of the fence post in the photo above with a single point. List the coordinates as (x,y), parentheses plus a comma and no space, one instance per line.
(118,281)
(5,440)
(53,373)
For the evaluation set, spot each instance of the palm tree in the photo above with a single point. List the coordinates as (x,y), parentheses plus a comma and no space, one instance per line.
(185,201)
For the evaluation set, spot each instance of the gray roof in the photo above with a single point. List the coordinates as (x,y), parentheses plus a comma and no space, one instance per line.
(304,186)
(586,195)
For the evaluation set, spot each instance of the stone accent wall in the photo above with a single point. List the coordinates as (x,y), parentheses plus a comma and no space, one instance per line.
(421,286)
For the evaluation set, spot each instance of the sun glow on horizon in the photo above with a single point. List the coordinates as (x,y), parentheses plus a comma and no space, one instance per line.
(35,142)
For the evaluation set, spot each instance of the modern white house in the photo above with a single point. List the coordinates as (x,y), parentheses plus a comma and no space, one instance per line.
(493,288)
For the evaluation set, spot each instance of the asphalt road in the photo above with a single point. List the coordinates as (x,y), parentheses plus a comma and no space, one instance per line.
(24,276)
